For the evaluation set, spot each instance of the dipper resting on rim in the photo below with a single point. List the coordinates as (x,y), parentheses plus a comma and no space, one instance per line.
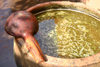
(23,24)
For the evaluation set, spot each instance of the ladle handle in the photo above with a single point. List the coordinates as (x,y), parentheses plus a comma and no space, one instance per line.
(34,48)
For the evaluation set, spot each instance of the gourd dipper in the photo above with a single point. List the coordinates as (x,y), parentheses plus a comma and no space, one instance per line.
(23,24)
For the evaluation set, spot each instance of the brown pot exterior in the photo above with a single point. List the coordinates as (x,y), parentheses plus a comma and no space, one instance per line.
(25,59)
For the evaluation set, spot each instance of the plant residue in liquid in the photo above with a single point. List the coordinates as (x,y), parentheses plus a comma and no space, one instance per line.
(75,34)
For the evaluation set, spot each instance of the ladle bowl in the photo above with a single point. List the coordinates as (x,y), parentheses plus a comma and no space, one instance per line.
(24,59)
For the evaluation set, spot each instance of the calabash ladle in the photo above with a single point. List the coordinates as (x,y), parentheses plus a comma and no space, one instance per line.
(23,24)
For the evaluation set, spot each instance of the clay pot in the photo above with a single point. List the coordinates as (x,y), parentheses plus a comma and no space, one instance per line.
(24,58)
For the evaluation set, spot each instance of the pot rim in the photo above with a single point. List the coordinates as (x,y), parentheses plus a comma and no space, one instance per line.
(62,61)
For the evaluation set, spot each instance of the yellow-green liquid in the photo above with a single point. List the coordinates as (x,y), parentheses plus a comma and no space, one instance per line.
(77,34)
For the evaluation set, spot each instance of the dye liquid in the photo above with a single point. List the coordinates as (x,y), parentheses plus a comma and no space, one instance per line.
(68,33)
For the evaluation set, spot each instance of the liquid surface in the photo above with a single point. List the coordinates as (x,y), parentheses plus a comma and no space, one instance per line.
(68,34)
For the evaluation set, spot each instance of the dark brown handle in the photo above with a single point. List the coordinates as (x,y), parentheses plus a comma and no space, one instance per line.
(34,48)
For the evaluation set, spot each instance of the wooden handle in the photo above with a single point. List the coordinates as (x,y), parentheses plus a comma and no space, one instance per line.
(34,48)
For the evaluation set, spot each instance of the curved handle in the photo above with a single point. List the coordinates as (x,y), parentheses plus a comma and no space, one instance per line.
(34,48)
